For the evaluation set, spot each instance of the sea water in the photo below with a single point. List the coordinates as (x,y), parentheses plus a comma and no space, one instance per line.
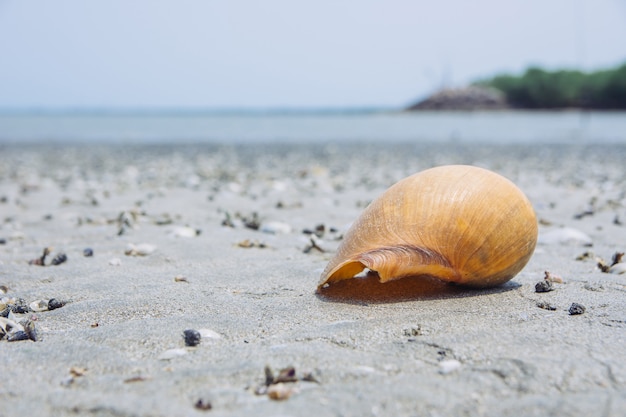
(305,127)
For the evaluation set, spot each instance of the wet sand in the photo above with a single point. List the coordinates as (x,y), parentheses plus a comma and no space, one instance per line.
(116,348)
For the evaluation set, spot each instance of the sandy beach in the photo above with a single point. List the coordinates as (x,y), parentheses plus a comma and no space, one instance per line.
(220,239)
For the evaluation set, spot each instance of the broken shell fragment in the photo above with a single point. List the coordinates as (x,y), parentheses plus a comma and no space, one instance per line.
(39,306)
(8,327)
(460,224)
(143,249)
(280,391)
(618,269)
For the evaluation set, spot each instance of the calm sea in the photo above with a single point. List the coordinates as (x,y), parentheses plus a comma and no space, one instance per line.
(251,127)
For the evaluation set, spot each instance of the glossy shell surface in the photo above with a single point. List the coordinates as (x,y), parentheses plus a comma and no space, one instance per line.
(457,223)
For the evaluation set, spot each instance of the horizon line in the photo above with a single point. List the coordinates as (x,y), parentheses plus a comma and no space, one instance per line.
(180,110)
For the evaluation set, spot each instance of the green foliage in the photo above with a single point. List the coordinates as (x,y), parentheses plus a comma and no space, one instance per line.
(540,89)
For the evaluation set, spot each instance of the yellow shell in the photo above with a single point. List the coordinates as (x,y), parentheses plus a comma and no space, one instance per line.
(457,223)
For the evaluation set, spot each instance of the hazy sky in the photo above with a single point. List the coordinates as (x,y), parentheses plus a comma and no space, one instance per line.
(282,53)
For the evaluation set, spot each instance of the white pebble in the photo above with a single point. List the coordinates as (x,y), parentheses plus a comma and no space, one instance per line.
(449,365)
(276,228)
(184,232)
(618,269)
(115,262)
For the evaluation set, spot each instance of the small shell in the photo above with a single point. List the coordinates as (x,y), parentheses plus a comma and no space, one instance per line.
(39,306)
(618,269)
(457,223)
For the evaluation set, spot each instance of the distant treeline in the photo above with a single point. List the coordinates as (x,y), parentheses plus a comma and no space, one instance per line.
(539,89)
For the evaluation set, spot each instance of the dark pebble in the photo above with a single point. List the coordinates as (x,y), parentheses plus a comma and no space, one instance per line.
(87,252)
(192,337)
(543,286)
(3,241)
(53,304)
(59,259)
(19,309)
(203,405)
(576,308)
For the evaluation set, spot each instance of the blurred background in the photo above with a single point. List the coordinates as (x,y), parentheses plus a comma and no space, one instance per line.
(282,57)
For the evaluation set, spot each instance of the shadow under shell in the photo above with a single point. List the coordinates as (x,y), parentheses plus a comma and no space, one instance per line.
(369,289)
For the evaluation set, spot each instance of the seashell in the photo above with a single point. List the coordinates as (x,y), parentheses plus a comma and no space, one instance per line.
(39,306)
(460,224)
(618,269)
(209,334)
(9,327)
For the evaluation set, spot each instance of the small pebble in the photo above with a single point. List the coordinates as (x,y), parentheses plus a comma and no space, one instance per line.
(203,405)
(87,252)
(192,337)
(543,286)
(275,228)
(115,262)
(180,278)
(449,365)
(59,259)
(3,241)
(53,304)
(576,309)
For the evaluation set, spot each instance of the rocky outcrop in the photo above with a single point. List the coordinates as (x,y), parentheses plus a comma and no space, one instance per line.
(467,98)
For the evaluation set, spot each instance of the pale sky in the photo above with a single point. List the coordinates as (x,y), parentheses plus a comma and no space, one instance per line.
(286,53)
